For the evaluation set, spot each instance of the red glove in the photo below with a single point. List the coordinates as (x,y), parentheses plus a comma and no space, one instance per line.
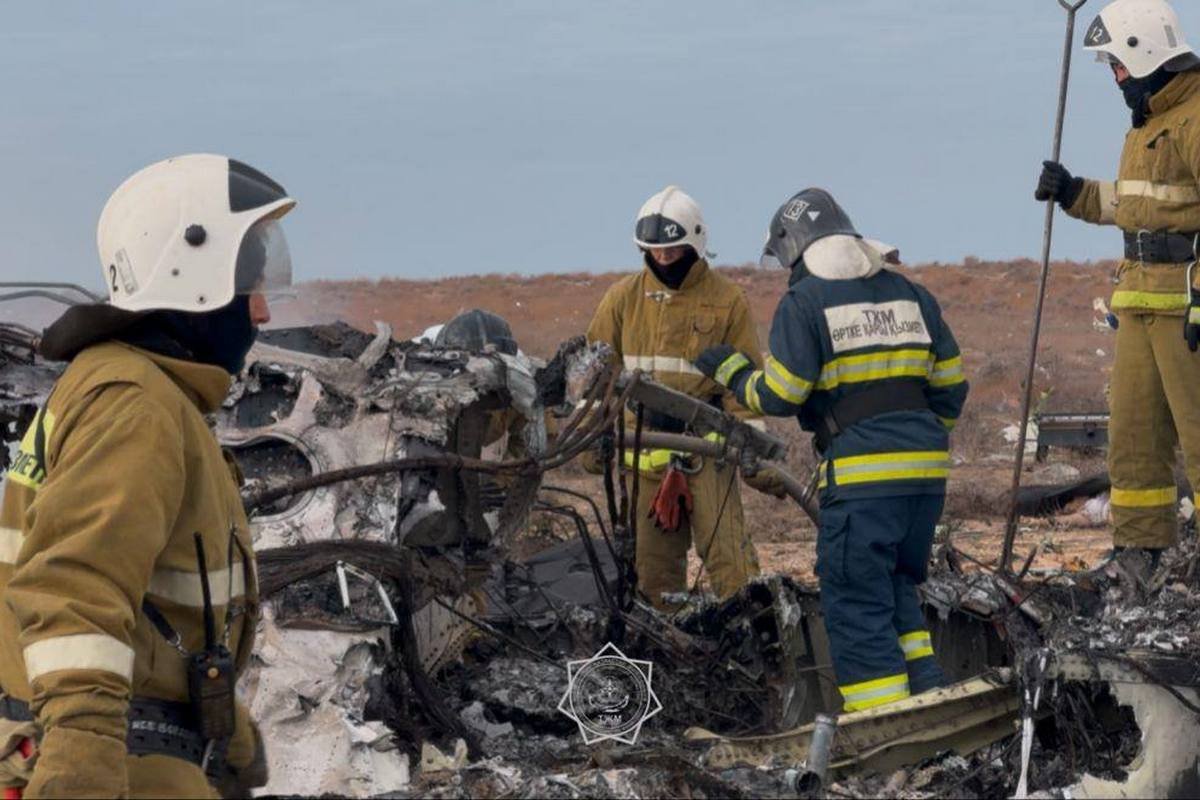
(672,503)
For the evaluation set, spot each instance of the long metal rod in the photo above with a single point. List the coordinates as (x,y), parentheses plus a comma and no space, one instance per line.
(1010,528)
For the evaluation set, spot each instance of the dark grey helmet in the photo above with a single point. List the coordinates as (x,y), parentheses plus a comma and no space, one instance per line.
(474,330)
(808,216)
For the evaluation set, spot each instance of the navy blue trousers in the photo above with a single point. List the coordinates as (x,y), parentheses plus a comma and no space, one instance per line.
(872,554)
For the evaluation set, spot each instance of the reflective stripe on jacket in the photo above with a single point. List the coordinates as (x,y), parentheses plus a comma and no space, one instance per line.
(1157,189)
(832,338)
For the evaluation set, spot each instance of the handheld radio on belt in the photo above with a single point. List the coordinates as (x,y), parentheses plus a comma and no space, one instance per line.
(210,673)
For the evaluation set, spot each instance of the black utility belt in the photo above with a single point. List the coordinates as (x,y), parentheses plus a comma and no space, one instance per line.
(1160,247)
(156,727)
(902,395)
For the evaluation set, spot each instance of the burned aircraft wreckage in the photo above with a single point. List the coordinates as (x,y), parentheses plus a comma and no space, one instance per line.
(410,645)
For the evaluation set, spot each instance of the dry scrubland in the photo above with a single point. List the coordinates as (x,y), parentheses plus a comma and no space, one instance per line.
(988,304)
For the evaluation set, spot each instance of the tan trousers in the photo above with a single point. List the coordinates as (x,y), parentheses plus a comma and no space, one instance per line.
(720,539)
(1155,404)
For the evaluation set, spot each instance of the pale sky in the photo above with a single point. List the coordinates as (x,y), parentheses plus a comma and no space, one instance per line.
(425,138)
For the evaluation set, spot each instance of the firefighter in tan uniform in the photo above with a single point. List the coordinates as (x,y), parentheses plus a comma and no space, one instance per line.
(658,321)
(120,494)
(1155,201)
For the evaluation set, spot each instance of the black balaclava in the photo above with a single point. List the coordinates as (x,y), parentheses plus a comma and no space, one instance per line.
(674,274)
(221,338)
(1138,91)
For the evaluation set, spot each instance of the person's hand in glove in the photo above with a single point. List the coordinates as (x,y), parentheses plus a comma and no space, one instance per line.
(673,501)
(1057,184)
(723,363)
(766,480)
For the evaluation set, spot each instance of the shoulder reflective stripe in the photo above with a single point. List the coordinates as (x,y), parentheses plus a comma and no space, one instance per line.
(891,467)
(875,366)
(10,545)
(868,694)
(1162,192)
(1108,202)
(183,588)
(947,373)
(1144,498)
(753,401)
(662,364)
(96,651)
(1159,301)
(730,367)
(917,644)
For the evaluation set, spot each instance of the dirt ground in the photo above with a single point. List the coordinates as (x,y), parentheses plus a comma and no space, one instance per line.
(989,305)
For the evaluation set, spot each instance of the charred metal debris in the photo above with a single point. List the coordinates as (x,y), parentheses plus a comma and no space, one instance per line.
(416,629)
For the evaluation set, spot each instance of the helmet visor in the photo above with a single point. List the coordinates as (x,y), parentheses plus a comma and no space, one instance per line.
(769,260)
(264,263)
(659,231)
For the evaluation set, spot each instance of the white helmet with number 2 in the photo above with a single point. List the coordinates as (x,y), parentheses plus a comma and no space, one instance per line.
(192,232)
(1141,34)
(670,219)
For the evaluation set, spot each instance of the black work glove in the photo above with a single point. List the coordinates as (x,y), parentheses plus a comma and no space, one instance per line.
(1191,322)
(723,363)
(1057,184)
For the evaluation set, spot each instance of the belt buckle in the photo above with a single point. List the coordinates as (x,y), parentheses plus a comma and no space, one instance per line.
(1140,246)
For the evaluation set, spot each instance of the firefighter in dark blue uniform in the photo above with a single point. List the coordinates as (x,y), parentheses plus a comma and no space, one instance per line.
(863,358)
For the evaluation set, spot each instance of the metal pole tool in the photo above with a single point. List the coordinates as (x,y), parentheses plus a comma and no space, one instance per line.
(1010,529)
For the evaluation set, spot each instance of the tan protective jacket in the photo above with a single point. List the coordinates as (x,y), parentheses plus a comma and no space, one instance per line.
(1157,189)
(132,472)
(661,331)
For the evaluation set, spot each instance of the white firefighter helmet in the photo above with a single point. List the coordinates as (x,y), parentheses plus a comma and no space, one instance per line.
(669,219)
(190,233)
(1143,35)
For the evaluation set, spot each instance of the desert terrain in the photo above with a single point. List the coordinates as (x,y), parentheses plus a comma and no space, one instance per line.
(989,305)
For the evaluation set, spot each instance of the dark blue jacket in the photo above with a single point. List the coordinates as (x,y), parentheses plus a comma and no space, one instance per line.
(830,338)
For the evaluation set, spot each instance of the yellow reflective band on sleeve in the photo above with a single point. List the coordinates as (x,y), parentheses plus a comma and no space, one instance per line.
(753,402)
(947,373)
(875,367)
(11,540)
(1154,301)
(783,384)
(822,474)
(917,644)
(1144,498)
(949,422)
(869,694)
(1162,192)
(932,464)
(730,367)
(26,470)
(95,651)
